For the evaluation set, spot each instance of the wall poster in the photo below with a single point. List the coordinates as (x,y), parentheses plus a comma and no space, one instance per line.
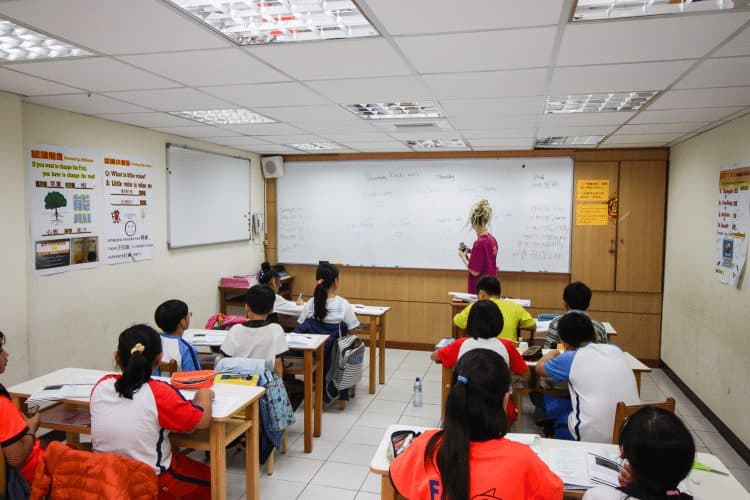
(733,223)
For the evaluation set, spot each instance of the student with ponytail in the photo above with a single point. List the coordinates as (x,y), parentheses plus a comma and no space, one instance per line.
(470,457)
(660,452)
(268,276)
(150,409)
(482,260)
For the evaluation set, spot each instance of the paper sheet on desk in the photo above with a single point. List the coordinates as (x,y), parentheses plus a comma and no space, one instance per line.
(572,465)
(79,388)
(205,337)
(218,406)
(298,340)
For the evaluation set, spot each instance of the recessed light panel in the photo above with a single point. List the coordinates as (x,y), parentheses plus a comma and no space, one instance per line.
(253,22)
(579,140)
(224,116)
(590,10)
(428,144)
(596,103)
(395,110)
(22,44)
(316,146)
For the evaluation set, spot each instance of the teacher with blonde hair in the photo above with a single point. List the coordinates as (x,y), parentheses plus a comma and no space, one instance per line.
(481,260)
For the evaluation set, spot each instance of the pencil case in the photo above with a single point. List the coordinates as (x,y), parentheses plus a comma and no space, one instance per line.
(400,440)
(194,380)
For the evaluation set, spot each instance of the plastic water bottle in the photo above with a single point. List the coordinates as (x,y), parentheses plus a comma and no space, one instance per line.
(417,399)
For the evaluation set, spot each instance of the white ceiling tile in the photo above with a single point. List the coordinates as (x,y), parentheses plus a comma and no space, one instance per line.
(642,39)
(725,72)
(661,128)
(657,139)
(22,84)
(198,132)
(267,94)
(703,98)
(584,119)
(442,16)
(738,46)
(274,149)
(616,77)
(149,120)
(426,134)
(484,122)
(292,139)
(506,133)
(388,89)
(379,147)
(523,142)
(208,67)
(508,105)
(683,115)
(98,74)
(114,26)
(328,127)
(529,82)
(266,129)
(182,99)
(243,141)
(358,138)
(559,131)
(487,50)
(88,104)
(304,113)
(356,58)
(504,148)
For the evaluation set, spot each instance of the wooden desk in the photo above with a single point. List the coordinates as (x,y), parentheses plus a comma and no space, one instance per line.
(224,427)
(701,484)
(457,306)
(542,327)
(236,296)
(376,330)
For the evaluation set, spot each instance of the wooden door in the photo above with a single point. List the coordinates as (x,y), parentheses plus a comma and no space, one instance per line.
(640,242)
(593,260)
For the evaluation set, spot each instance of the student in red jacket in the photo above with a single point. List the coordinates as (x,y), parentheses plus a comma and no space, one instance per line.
(470,457)
(485,320)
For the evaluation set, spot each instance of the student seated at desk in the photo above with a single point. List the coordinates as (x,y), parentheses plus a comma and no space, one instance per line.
(660,452)
(576,297)
(268,276)
(132,415)
(485,320)
(598,376)
(173,317)
(470,458)
(21,448)
(515,316)
(327,313)
(257,338)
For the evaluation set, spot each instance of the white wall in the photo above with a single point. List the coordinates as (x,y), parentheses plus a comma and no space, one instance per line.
(74,318)
(706,325)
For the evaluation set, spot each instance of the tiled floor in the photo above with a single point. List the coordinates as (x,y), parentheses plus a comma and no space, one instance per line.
(338,467)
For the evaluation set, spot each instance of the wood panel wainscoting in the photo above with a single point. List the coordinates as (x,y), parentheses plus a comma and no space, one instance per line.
(419,297)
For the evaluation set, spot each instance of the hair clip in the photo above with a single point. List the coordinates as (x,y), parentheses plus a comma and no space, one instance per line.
(320,281)
(137,348)
(462,379)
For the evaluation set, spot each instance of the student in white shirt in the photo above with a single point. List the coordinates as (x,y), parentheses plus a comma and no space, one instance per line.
(598,377)
(268,276)
(659,450)
(257,338)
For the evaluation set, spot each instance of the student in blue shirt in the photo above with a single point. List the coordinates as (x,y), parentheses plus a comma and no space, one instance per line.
(173,317)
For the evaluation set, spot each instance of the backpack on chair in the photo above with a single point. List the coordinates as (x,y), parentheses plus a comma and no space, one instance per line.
(347,367)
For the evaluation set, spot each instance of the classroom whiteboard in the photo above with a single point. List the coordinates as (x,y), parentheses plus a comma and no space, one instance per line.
(208,197)
(413,213)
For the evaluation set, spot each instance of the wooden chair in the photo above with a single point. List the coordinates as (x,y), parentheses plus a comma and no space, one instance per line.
(168,367)
(2,475)
(624,411)
(269,462)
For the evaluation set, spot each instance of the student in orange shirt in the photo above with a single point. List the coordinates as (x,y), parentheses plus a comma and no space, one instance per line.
(470,458)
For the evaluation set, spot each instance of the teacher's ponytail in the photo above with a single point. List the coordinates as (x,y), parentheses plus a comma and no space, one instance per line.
(481,214)
(325,276)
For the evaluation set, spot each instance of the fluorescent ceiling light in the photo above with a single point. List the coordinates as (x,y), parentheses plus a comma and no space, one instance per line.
(422,144)
(252,22)
(595,103)
(580,140)
(224,116)
(395,110)
(316,146)
(590,10)
(22,44)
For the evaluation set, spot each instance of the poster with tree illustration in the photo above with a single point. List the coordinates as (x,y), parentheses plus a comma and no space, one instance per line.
(64,203)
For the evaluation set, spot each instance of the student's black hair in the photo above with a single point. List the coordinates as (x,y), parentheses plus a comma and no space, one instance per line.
(660,451)
(325,275)
(485,320)
(2,339)
(576,328)
(260,299)
(490,284)
(169,314)
(137,349)
(577,295)
(474,411)
(266,274)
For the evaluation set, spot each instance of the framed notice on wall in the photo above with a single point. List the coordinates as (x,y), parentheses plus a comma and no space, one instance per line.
(733,223)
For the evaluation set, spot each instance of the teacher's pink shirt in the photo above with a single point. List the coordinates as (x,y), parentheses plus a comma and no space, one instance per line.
(483,260)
